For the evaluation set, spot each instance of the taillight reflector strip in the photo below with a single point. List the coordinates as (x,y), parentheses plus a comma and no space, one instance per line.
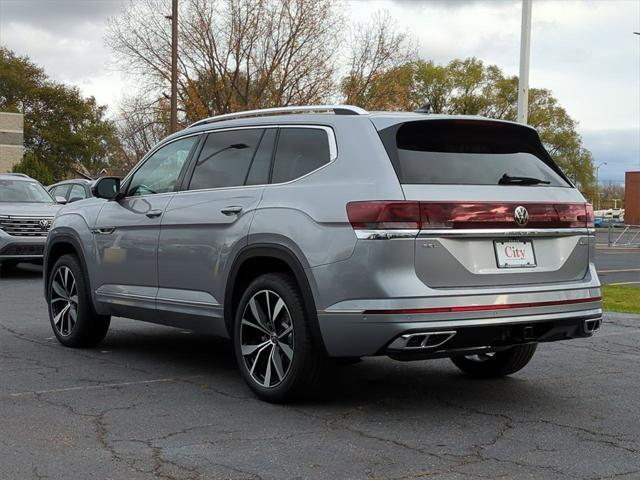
(389,215)
(480,308)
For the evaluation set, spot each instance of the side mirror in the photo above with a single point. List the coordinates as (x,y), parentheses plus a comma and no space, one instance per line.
(61,200)
(106,187)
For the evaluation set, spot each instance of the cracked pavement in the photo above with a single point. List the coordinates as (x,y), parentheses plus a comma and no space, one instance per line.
(154,402)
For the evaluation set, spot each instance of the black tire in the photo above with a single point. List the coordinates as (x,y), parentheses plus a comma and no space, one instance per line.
(303,373)
(89,328)
(498,364)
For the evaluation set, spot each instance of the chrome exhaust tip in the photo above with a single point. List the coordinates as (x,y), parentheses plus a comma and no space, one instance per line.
(592,325)
(421,340)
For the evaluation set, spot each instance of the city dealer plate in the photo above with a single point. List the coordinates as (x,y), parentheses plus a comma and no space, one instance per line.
(515,253)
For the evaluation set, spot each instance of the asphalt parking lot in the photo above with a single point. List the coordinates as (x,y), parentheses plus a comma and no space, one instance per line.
(617,265)
(155,402)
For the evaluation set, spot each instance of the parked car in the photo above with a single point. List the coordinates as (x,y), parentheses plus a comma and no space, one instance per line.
(309,233)
(26,214)
(71,190)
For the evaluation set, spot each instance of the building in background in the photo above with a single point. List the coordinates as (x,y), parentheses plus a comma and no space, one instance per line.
(11,140)
(632,198)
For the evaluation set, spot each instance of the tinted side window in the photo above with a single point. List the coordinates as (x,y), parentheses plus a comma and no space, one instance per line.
(225,159)
(299,151)
(77,193)
(60,191)
(160,171)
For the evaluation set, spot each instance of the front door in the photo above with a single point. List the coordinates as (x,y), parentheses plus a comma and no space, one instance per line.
(127,231)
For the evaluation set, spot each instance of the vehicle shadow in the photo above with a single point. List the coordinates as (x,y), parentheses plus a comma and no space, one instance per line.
(22,270)
(372,383)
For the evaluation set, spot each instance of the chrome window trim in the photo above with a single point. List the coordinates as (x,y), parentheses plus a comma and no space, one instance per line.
(144,159)
(333,155)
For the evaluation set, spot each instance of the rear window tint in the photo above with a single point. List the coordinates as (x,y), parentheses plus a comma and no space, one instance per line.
(299,151)
(468,152)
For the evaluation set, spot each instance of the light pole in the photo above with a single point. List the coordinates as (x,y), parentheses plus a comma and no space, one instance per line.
(598,182)
(173,125)
(525,48)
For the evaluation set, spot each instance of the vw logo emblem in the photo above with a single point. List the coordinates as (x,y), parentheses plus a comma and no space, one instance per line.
(520,215)
(44,224)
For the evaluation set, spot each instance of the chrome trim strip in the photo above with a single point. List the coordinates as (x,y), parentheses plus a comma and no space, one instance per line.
(192,303)
(543,317)
(125,295)
(386,234)
(506,232)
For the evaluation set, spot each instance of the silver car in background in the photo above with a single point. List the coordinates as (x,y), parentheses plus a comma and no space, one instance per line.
(311,233)
(26,214)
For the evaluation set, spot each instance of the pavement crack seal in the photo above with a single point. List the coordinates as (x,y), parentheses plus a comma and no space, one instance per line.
(99,386)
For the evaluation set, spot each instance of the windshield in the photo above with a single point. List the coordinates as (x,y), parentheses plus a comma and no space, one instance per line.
(470,152)
(23,191)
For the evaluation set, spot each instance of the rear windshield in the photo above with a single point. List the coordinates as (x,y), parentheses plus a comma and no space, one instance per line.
(469,152)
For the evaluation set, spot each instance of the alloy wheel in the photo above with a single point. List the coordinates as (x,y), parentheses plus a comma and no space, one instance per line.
(64,301)
(266,338)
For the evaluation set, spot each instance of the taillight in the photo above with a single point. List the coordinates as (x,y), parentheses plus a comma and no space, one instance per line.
(376,215)
(384,215)
(591,218)
(572,215)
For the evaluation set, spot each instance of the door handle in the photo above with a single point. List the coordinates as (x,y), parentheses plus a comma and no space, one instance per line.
(153,213)
(231,210)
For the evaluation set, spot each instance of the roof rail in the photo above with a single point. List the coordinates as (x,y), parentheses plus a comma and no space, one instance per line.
(13,174)
(336,109)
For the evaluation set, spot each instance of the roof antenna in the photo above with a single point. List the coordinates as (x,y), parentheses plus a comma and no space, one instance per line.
(426,108)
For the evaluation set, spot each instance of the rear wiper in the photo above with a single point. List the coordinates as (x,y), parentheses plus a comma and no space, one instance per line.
(508,180)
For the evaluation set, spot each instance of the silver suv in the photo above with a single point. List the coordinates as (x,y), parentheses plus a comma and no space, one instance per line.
(306,233)
(26,214)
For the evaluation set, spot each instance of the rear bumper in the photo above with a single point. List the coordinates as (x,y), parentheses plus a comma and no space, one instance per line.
(536,317)
(21,248)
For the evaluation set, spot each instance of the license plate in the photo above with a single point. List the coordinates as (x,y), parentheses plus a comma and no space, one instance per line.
(514,253)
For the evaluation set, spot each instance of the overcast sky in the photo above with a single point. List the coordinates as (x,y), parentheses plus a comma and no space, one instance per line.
(583,50)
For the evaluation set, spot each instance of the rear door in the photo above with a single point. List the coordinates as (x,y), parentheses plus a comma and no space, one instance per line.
(495,208)
(208,222)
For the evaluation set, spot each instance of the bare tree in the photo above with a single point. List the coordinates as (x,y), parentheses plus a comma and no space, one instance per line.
(233,54)
(379,72)
(141,124)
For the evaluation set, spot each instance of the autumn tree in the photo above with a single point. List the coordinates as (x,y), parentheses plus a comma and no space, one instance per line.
(61,128)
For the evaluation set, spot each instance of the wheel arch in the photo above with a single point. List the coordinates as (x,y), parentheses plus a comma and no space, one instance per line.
(63,244)
(274,258)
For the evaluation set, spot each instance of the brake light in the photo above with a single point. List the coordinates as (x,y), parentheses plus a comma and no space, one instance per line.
(384,215)
(591,218)
(574,215)
(398,214)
